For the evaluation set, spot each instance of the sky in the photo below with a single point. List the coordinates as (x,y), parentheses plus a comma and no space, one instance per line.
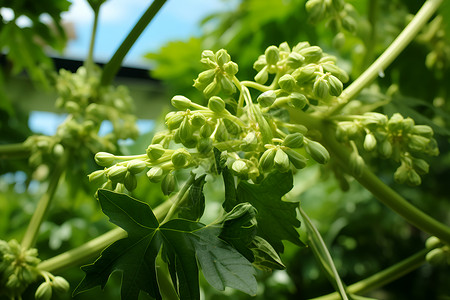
(178,19)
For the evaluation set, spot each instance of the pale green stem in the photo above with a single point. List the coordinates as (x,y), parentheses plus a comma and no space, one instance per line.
(89,63)
(93,248)
(113,66)
(44,203)
(14,151)
(383,277)
(319,247)
(179,198)
(256,86)
(390,54)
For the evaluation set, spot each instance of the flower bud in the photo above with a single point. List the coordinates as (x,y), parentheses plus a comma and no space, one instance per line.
(293,140)
(180,158)
(72,107)
(158,137)
(154,152)
(370,142)
(212,89)
(298,160)
(395,122)
(60,284)
(249,142)
(436,257)
(349,24)
(104,159)
(97,176)
(207,129)
(116,173)
(130,181)
(401,174)
(43,292)
(420,166)
(295,60)
(168,184)
(297,128)
(318,152)
(311,54)
(58,150)
(272,54)
(181,102)
(287,82)
(205,77)
(432,242)
(413,178)
(136,166)
(321,88)
(305,74)
(417,142)
(231,68)
(227,85)
(155,174)
(216,104)
(316,10)
(267,98)
(185,130)
(356,164)
(205,145)
(336,86)
(222,57)
(423,130)
(240,167)
(298,100)
(386,149)
(262,76)
(174,120)
(335,71)
(221,134)
(198,120)
(281,160)
(266,161)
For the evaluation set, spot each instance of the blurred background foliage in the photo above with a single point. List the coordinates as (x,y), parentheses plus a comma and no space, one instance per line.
(363,236)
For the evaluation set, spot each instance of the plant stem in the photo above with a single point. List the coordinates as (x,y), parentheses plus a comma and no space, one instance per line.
(113,66)
(380,190)
(93,248)
(44,203)
(383,277)
(14,151)
(179,197)
(89,63)
(321,251)
(390,54)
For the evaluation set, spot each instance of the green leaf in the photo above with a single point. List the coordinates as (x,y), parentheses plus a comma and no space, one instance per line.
(230,190)
(239,228)
(194,207)
(185,244)
(277,219)
(266,258)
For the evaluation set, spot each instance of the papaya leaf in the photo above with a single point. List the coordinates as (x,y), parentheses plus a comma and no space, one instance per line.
(194,207)
(186,244)
(266,258)
(277,219)
(230,190)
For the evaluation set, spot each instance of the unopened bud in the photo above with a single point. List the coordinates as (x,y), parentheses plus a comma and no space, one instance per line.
(316,10)
(130,181)
(173,120)
(298,100)
(212,89)
(311,54)
(240,167)
(60,284)
(168,184)
(266,161)
(262,76)
(155,174)
(370,142)
(198,120)
(298,160)
(267,98)
(97,176)
(421,166)
(231,68)
(423,130)
(104,159)
(136,166)
(436,257)
(43,292)
(417,142)
(413,178)
(432,242)
(180,158)
(117,173)
(181,102)
(227,85)
(318,152)
(293,140)
(216,104)
(305,74)
(287,82)
(356,164)
(272,54)
(395,122)
(386,149)
(154,152)
(321,88)
(207,129)
(222,57)
(336,86)
(205,145)
(281,160)
(295,60)
(335,71)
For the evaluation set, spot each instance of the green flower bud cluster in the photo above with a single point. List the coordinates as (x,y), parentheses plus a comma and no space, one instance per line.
(219,74)
(397,138)
(51,284)
(439,253)
(304,73)
(17,268)
(340,15)
(88,105)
